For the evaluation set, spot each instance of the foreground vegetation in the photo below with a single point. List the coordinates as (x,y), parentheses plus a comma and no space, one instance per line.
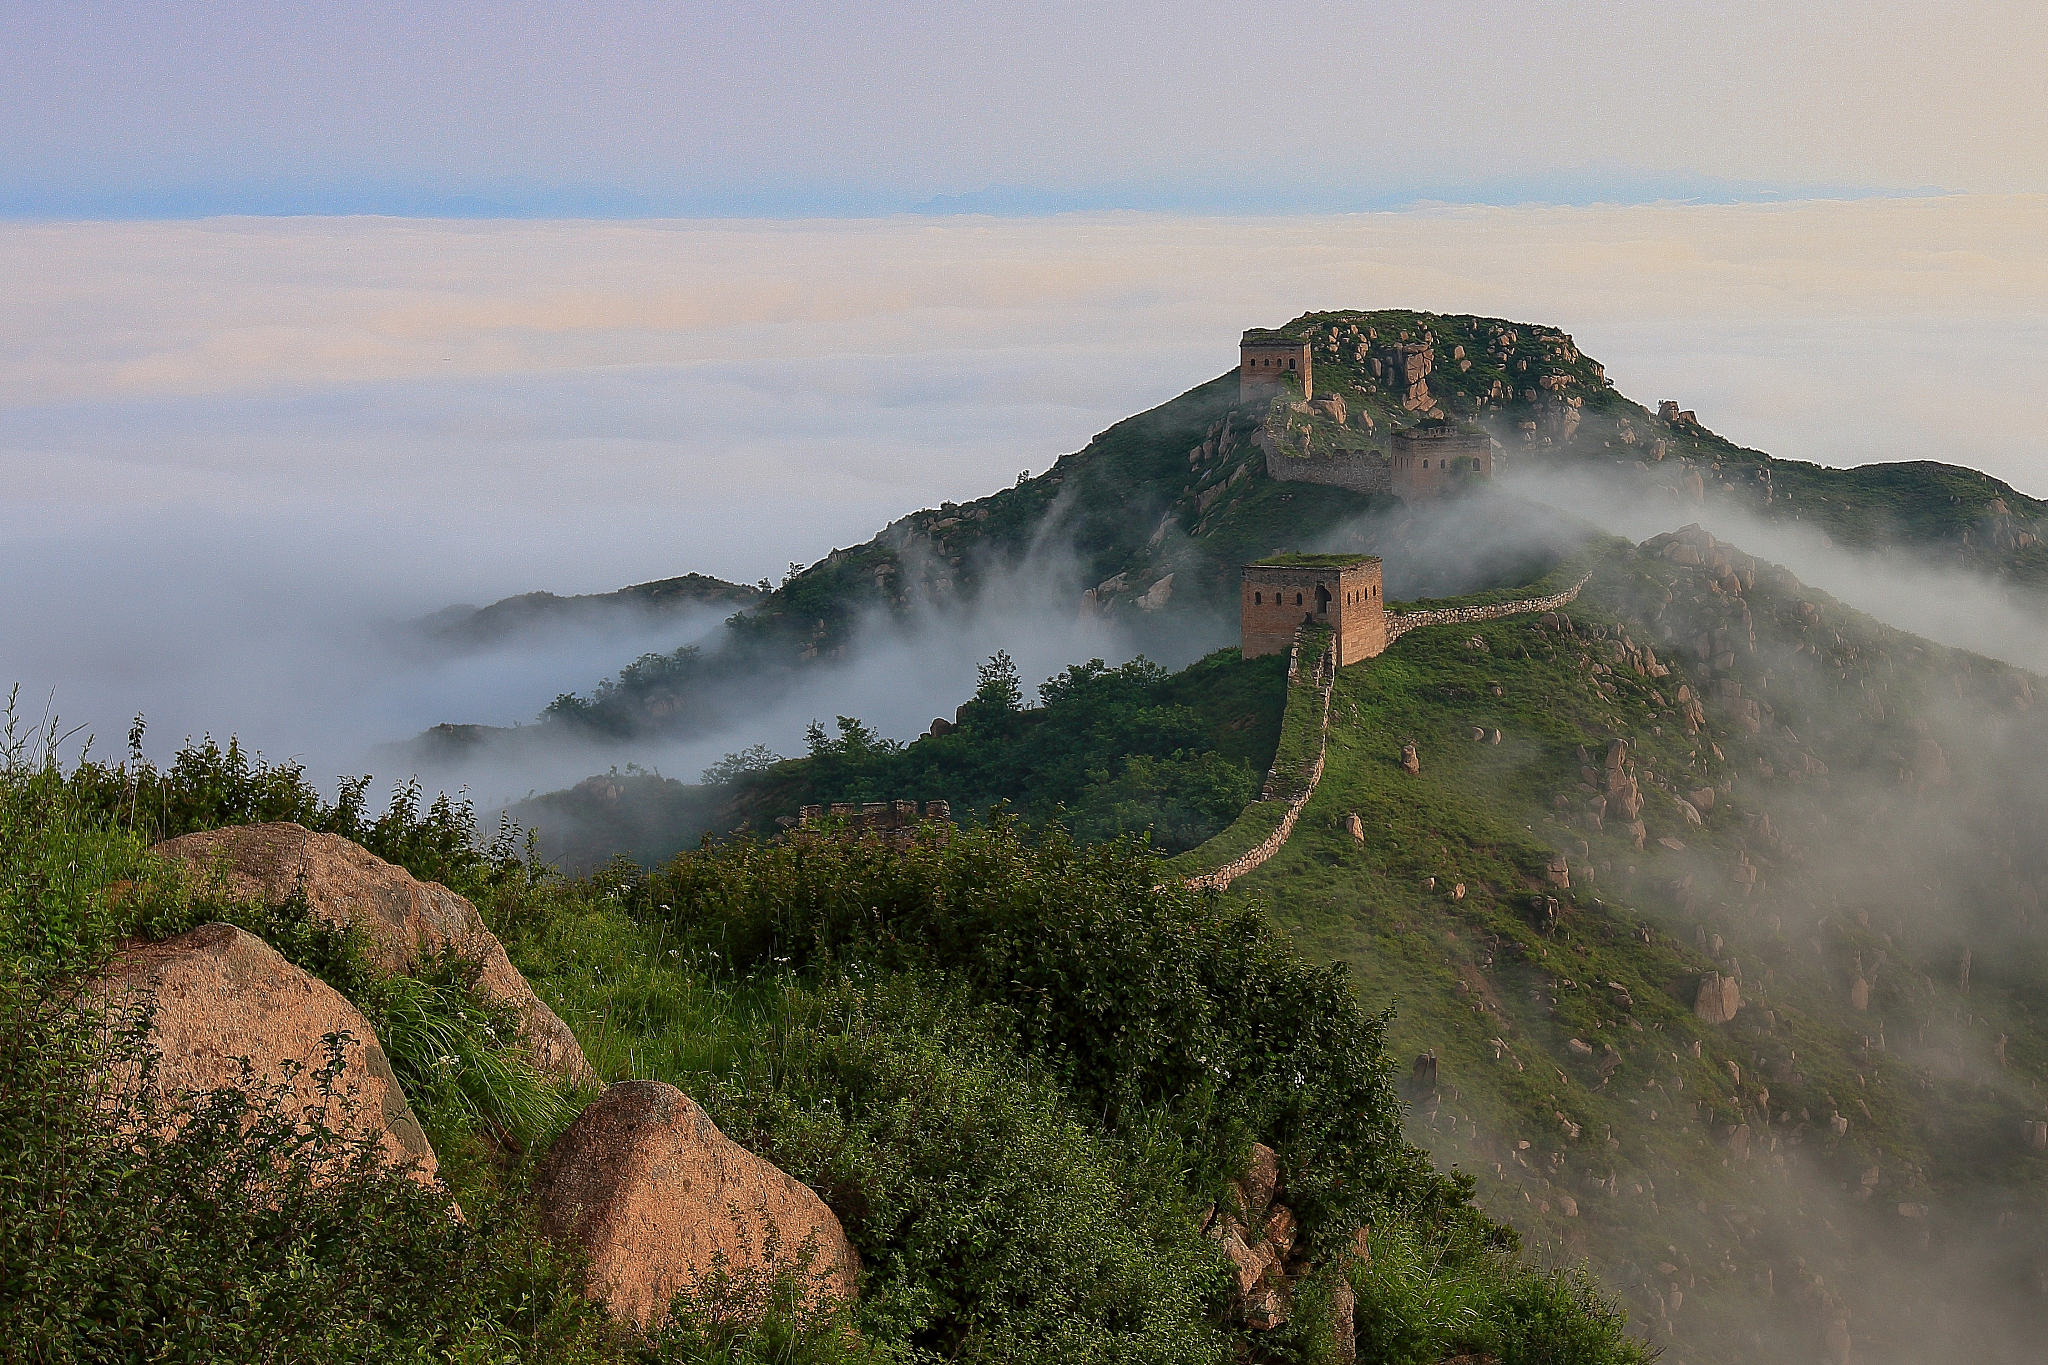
(1016,1071)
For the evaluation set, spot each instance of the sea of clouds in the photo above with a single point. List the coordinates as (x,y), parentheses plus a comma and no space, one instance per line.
(235,450)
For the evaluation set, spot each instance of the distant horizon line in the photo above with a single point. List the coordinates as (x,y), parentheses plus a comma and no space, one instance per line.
(596,204)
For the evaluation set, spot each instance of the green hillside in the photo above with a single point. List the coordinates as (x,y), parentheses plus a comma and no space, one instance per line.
(1866,812)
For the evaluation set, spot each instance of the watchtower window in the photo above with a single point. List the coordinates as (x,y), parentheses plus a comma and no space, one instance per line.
(1258,599)
(1297,599)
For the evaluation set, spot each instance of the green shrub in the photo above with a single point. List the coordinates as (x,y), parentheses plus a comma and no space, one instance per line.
(1145,1000)
(230,1225)
(995,1226)
(1422,1299)
(208,786)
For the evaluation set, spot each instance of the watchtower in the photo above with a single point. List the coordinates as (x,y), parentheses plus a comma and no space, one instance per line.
(1427,459)
(1339,591)
(1266,360)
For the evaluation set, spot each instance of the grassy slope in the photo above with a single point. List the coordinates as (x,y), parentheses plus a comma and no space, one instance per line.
(1498,996)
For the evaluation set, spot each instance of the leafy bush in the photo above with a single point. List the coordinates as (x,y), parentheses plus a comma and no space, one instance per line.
(1111,751)
(1177,802)
(1424,1299)
(994,1224)
(231,1225)
(208,786)
(1144,1000)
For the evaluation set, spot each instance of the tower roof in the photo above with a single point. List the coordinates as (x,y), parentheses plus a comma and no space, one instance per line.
(1293,561)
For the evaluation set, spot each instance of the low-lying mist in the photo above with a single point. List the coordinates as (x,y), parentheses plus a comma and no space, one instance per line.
(1950,606)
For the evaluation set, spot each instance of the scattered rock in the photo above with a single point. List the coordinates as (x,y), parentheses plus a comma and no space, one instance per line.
(1354,827)
(1719,998)
(1411,762)
(1158,595)
(221,994)
(647,1185)
(403,920)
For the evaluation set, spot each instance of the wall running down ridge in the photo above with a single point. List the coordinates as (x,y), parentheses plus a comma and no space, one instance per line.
(1326,673)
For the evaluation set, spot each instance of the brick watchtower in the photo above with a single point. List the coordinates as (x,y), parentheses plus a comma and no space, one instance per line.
(1267,359)
(1338,591)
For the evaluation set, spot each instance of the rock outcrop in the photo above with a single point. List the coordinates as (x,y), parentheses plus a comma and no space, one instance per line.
(1260,1235)
(403,920)
(219,995)
(1718,999)
(656,1195)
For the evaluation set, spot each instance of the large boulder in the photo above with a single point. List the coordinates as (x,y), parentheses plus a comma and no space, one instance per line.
(1718,999)
(219,995)
(403,920)
(645,1183)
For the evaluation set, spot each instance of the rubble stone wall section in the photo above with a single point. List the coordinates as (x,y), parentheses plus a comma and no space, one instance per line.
(1326,674)
(894,823)
(1400,623)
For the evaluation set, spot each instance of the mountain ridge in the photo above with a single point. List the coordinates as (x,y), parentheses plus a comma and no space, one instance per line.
(1184,489)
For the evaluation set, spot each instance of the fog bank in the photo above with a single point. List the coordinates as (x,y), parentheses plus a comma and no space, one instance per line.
(233,448)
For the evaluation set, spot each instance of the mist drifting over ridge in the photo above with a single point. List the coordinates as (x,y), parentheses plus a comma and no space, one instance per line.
(366,420)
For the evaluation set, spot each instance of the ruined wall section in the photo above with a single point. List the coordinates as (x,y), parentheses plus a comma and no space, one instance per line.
(1400,623)
(893,823)
(1222,877)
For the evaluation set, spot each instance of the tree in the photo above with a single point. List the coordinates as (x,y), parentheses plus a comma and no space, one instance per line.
(1000,688)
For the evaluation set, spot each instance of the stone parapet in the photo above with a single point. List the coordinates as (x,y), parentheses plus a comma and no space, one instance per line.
(1326,676)
(1400,623)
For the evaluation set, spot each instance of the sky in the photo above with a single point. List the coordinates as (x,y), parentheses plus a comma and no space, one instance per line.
(314,319)
(747,108)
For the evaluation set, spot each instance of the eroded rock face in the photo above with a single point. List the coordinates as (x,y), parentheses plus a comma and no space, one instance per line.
(221,994)
(646,1184)
(404,920)
(1719,998)
(1260,1235)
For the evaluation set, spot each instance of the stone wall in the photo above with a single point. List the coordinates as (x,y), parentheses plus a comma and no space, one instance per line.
(1400,623)
(1326,675)
(894,823)
(1419,465)
(1361,471)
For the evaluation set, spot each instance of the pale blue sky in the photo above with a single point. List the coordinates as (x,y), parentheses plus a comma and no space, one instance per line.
(532,110)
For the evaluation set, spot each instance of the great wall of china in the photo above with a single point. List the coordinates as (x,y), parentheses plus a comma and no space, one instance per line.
(1398,624)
